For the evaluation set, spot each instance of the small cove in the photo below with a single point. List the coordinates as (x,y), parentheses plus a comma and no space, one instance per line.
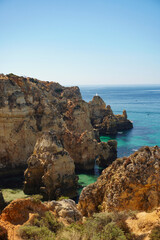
(143,108)
(142,104)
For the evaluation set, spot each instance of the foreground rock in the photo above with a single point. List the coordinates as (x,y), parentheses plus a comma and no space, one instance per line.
(29,107)
(22,211)
(65,210)
(51,170)
(129,183)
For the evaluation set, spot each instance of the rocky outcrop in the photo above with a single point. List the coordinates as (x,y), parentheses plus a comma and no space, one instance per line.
(29,107)
(65,210)
(51,170)
(84,149)
(103,119)
(128,183)
(23,211)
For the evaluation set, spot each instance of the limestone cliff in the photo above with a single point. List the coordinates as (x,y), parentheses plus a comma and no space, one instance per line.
(29,107)
(51,170)
(128,183)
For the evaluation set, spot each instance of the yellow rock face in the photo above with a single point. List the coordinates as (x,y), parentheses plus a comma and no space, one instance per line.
(129,183)
(29,107)
(51,170)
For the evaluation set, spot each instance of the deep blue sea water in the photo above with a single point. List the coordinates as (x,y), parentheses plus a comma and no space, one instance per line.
(142,104)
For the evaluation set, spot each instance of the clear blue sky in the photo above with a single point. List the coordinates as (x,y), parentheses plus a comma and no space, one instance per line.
(77,42)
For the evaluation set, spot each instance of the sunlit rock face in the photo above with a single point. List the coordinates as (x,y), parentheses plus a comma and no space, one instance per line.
(51,170)
(29,107)
(103,119)
(128,183)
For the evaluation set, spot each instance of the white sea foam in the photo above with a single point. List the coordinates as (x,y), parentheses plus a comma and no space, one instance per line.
(134,150)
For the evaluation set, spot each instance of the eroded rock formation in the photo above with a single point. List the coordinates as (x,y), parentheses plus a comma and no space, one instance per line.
(128,183)
(29,107)
(104,120)
(51,170)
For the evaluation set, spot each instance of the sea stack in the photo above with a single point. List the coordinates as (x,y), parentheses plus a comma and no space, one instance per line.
(51,170)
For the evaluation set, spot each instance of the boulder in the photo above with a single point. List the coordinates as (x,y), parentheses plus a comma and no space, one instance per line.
(66,211)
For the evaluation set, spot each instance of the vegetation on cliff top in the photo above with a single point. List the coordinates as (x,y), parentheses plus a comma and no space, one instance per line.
(110,226)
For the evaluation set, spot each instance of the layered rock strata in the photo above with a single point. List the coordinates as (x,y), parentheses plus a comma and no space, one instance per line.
(29,107)
(128,183)
(51,170)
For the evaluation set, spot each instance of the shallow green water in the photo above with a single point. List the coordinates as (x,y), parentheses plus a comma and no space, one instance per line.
(142,104)
(86,179)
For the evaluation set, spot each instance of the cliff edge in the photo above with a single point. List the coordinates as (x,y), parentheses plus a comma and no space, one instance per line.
(29,107)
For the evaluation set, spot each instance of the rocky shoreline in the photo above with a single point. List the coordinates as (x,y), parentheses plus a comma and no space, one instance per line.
(130,183)
(51,133)
(31,110)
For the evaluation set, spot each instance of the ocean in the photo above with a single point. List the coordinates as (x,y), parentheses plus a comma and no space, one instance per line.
(142,104)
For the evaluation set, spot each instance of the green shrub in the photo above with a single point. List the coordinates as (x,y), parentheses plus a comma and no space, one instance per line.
(62,198)
(37,198)
(36,233)
(155,233)
(101,226)
(112,232)
(43,227)
(47,221)
(100,208)
(97,222)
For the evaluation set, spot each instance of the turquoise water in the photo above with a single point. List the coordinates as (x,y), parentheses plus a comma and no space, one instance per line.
(142,104)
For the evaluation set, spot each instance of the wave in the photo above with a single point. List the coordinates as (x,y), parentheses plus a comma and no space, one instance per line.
(134,149)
